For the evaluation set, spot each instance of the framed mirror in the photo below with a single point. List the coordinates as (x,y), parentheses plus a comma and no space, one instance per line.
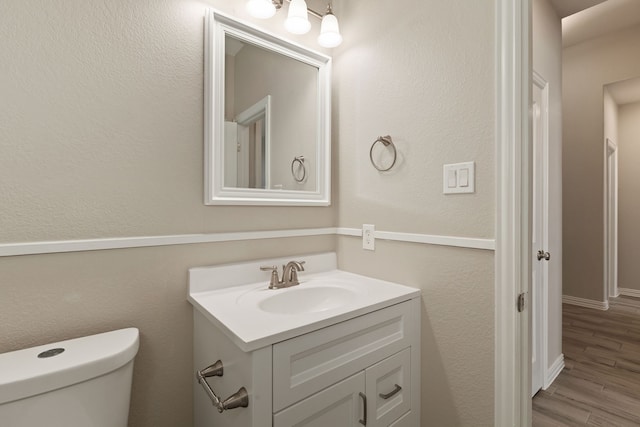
(267,118)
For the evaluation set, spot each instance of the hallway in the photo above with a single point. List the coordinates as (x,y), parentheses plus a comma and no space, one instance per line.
(600,385)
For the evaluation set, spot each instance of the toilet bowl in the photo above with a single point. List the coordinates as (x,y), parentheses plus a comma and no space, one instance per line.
(83,382)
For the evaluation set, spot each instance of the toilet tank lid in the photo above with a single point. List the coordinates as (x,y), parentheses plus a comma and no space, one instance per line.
(24,374)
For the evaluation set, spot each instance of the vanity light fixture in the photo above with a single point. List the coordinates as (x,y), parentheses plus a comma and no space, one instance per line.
(297,21)
(261,9)
(329,30)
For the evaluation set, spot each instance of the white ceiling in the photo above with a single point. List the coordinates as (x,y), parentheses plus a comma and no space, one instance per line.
(598,20)
(588,19)
(626,91)
(569,7)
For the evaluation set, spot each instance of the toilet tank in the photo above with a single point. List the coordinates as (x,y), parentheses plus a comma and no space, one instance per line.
(83,382)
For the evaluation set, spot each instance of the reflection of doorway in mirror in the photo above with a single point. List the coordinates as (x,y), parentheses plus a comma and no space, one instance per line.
(258,144)
(247,151)
(231,154)
(251,154)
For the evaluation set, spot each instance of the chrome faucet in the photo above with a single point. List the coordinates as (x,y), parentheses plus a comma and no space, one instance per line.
(289,274)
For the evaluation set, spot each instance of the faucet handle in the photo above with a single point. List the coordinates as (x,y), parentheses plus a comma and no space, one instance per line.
(275,281)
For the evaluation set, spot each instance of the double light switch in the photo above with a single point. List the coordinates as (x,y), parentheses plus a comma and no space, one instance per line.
(459,178)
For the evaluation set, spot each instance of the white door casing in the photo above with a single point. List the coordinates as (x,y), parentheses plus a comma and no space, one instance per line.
(611,219)
(513,242)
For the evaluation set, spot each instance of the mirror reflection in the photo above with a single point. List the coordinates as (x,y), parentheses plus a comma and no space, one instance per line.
(271,119)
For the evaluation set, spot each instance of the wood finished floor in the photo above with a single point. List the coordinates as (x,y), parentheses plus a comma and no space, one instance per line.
(600,384)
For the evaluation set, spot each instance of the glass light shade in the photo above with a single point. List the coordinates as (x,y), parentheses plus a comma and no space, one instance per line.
(261,9)
(329,31)
(297,21)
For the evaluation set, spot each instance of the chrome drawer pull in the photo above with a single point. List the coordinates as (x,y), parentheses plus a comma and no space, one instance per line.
(364,401)
(391,393)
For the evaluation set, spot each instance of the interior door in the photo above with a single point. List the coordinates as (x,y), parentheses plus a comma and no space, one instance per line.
(539,240)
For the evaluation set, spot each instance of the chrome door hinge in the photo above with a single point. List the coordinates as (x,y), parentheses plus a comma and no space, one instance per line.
(522,302)
(543,255)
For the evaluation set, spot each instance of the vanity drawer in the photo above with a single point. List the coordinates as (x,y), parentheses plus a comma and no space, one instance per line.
(311,362)
(388,388)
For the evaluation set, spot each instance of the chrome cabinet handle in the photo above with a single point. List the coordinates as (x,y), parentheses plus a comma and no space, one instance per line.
(542,254)
(396,389)
(364,401)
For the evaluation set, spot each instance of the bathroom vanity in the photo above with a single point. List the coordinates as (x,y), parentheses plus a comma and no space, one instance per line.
(339,349)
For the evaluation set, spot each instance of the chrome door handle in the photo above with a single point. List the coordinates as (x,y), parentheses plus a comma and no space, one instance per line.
(542,254)
(396,389)
(364,401)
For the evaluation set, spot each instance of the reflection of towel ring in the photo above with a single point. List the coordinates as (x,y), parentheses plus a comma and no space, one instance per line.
(297,177)
(387,142)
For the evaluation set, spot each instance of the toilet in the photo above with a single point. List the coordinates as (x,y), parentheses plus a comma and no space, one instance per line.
(83,382)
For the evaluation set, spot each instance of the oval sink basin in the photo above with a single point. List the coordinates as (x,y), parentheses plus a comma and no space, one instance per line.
(307,300)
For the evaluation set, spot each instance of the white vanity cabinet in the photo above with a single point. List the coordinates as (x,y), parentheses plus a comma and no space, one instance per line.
(378,396)
(366,368)
(337,350)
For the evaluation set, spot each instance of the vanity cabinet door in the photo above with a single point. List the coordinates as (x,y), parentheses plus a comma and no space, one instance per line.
(388,389)
(405,421)
(341,405)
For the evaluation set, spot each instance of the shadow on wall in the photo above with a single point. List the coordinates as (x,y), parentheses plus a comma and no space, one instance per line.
(435,400)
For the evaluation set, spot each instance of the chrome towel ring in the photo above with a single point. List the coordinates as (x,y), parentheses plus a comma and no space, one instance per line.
(387,142)
(301,174)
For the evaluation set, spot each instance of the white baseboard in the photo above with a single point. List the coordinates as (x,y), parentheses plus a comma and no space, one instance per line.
(583,302)
(552,373)
(627,292)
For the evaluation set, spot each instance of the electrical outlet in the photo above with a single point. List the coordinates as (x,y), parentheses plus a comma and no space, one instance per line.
(368,237)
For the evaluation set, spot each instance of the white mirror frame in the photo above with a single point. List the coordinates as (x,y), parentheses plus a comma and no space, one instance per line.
(218,25)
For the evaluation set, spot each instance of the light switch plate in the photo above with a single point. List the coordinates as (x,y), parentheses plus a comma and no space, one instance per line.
(459,178)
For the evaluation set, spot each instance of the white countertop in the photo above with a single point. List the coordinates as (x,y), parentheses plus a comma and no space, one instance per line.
(236,309)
